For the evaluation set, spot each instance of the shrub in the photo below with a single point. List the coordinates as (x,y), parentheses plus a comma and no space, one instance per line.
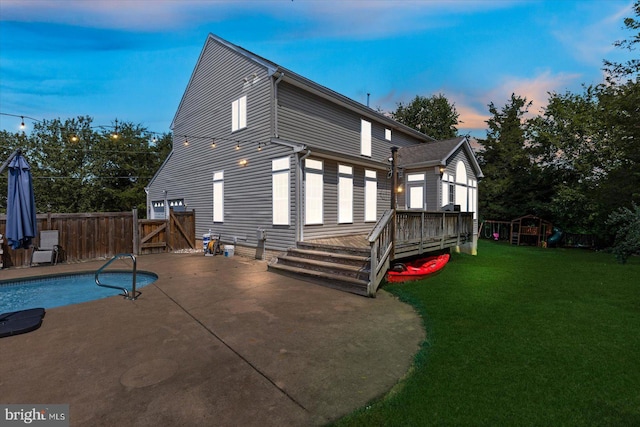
(625,223)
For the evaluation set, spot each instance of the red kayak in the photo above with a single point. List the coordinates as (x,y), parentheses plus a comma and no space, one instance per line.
(416,270)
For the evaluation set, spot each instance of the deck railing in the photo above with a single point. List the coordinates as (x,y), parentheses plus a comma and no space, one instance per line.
(415,232)
(381,242)
(418,232)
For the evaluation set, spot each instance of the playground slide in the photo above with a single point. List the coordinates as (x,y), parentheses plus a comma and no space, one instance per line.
(554,239)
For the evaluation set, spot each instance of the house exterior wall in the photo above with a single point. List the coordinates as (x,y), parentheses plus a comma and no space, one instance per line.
(314,121)
(205,113)
(282,118)
(330,225)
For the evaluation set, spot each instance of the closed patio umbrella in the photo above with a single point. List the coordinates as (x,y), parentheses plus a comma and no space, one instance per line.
(21,205)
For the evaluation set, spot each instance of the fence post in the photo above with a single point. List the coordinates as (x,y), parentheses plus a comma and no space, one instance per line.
(136,235)
(170,218)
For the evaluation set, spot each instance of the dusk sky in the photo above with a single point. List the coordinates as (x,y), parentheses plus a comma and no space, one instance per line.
(132,60)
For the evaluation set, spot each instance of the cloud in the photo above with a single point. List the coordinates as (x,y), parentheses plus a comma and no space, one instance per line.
(315,17)
(591,43)
(473,106)
(534,89)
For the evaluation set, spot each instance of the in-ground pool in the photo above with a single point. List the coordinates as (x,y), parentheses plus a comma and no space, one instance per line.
(65,289)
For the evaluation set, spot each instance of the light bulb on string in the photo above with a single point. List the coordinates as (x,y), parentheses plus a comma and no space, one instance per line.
(22,122)
(115,135)
(186,141)
(237,145)
(213,143)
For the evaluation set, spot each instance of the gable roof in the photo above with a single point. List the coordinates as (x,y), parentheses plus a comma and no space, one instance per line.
(436,153)
(310,86)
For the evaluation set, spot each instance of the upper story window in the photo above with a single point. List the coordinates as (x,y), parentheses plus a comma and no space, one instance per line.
(387,134)
(239,114)
(365,138)
(218,196)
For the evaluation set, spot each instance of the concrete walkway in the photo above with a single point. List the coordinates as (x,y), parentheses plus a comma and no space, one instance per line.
(214,342)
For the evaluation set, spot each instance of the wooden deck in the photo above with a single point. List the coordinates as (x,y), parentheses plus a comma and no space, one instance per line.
(350,241)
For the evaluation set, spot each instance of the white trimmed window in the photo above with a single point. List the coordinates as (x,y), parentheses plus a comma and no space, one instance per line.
(370,196)
(473,197)
(345,194)
(461,186)
(239,114)
(313,191)
(280,190)
(445,189)
(415,182)
(218,196)
(387,134)
(365,138)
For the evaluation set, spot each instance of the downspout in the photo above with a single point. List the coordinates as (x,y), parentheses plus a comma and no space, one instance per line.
(275,106)
(146,190)
(299,212)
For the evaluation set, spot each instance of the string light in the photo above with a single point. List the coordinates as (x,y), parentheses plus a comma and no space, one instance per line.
(115,135)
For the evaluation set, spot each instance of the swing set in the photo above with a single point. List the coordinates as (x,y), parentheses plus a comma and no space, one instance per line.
(496,230)
(526,230)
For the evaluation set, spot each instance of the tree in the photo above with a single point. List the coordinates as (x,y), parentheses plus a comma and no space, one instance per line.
(509,187)
(78,167)
(619,70)
(433,116)
(570,145)
(626,222)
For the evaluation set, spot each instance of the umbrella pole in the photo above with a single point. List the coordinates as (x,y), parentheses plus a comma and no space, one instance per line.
(11,156)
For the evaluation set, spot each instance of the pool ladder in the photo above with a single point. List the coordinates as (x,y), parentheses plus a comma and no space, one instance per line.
(130,295)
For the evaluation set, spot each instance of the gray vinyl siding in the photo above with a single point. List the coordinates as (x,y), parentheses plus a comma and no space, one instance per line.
(205,113)
(309,119)
(302,117)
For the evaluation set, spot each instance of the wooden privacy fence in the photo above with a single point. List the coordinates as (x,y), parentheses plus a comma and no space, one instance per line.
(86,236)
(160,235)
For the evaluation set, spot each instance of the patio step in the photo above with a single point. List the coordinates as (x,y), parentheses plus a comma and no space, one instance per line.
(342,268)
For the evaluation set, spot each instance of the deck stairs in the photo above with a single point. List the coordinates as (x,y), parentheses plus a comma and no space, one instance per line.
(334,264)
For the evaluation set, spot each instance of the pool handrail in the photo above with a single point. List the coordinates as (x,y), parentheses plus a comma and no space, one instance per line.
(125,292)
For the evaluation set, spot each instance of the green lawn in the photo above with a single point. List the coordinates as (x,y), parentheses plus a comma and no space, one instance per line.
(521,336)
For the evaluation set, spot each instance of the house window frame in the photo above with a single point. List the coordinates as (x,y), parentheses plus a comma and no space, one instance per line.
(314,208)
(345,194)
(239,113)
(365,138)
(218,197)
(370,195)
(281,206)
(416,181)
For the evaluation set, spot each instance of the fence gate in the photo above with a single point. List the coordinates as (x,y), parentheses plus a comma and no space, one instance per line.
(164,235)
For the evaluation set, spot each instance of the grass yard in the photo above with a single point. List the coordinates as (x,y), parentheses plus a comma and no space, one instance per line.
(521,336)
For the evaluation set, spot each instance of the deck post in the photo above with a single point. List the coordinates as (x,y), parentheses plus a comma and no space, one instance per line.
(394,192)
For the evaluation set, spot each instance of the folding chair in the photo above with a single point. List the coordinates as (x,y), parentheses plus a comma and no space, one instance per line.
(48,249)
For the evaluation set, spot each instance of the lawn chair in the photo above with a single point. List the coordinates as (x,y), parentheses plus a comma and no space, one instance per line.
(48,249)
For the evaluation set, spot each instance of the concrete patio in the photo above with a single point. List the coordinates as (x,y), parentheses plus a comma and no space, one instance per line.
(214,341)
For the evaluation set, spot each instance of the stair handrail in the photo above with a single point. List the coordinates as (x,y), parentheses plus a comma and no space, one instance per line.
(125,292)
(381,243)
